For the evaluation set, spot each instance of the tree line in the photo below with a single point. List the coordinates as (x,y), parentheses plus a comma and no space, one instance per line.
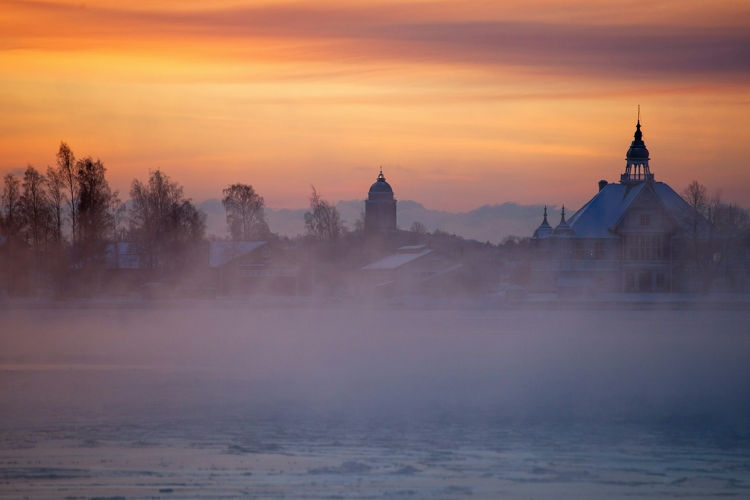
(57,227)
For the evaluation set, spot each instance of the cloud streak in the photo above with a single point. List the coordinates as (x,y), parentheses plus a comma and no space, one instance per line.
(389,34)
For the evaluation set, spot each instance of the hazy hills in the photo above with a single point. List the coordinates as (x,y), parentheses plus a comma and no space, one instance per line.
(486,223)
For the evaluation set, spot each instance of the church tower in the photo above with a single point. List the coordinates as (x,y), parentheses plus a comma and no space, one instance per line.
(380,207)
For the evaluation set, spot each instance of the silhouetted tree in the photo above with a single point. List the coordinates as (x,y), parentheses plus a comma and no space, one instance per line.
(163,223)
(57,201)
(12,224)
(35,207)
(68,174)
(419,228)
(716,232)
(359,224)
(323,221)
(13,220)
(246,218)
(95,211)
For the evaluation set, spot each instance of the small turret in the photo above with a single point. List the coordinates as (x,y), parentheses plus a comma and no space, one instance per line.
(563,229)
(544,230)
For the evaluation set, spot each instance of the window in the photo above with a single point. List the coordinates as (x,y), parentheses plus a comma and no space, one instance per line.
(630,281)
(660,280)
(645,220)
(643,246)
(579,251)
(598,253)
(644,282)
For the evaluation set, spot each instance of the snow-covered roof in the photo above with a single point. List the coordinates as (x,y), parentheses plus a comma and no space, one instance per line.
(411,248)
(396,260)
(223,252)
(597,217)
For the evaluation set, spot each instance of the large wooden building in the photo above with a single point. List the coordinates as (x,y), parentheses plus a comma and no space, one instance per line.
(622,240)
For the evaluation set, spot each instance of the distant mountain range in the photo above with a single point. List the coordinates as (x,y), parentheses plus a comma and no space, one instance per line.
(487,223)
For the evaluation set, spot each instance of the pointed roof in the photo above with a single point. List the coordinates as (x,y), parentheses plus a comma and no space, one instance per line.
(599,217)
(544,229)
(563,229)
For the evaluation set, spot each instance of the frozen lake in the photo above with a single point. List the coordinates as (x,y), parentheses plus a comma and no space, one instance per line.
(230,402)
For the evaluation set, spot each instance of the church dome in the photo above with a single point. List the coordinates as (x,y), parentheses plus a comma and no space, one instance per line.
(637,152)
(381,186)
(637,149)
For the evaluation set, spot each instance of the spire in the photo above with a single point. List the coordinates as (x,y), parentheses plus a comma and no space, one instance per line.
(638,136)
(544,230)
(563,228)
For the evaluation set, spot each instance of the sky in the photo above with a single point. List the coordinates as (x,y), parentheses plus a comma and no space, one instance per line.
(462,103)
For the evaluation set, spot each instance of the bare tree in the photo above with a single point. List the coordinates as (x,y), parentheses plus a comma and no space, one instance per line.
(57,200)
(13,223)
(95,211)
(715,233)
(419,228)
(68,172)
(323,221)
(246,218)
(35,206)
(359,224)
(13,220)
(162,222)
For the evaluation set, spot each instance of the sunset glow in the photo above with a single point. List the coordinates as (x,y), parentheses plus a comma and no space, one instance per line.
(462,103)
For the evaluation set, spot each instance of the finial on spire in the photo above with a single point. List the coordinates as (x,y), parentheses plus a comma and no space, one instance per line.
(545,215)
(562,216)
(381,177)
(638,136)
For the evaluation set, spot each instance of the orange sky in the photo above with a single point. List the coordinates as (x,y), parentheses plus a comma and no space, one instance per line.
(462,103)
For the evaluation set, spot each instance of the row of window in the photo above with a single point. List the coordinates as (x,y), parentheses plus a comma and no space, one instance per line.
(643,247)
(634,246)
(597,253)
(644,282)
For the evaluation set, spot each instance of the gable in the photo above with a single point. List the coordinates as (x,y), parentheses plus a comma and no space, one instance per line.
(646,213)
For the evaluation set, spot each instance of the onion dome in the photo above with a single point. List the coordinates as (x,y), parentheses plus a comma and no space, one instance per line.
(637,149)
(563,228)
(544,230)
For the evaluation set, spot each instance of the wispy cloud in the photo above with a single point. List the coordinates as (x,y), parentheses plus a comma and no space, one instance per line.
(388,33)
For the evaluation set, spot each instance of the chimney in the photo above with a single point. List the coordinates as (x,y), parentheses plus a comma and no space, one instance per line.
(602,184)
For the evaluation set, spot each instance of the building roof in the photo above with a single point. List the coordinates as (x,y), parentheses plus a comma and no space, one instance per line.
(397,259)
(598,217)
(380,185)
(563,229)
(638,150)
(221,253)
(544,228)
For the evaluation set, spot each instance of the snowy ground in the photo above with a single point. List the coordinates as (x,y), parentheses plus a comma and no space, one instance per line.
(332,403)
